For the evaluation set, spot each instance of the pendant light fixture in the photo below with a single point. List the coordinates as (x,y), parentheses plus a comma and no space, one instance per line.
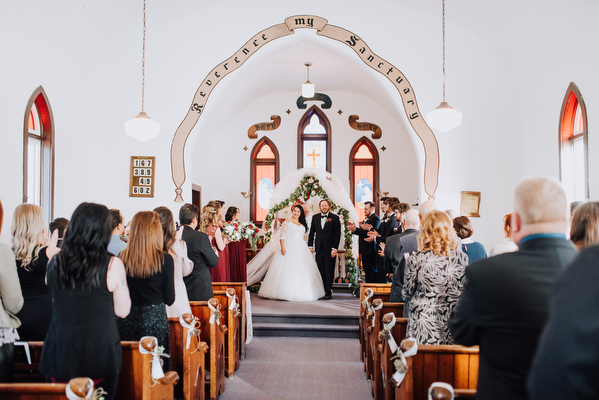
(142,127)
(308,87)
(444,118)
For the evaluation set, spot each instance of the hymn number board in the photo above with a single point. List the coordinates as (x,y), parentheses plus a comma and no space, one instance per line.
(142,175)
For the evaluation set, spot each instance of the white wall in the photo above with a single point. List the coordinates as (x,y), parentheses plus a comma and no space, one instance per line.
(508,66)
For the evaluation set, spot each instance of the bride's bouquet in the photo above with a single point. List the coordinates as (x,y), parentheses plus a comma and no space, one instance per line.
(232,230)
(249,231)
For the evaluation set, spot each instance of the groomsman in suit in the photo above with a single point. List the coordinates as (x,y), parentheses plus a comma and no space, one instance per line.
(200,251)
(387,228)
(367,249)
(327,229)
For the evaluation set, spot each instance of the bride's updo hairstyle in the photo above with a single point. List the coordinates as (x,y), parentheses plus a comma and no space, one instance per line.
(302,217)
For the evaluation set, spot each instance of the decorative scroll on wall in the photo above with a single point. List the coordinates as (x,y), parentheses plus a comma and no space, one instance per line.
(365,126)
(326,101)
(264,126)
(395,76)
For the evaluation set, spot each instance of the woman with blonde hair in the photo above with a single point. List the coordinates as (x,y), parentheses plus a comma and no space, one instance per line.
(33,250)
(173,245)
(434,280)
(151,281)
(210,223)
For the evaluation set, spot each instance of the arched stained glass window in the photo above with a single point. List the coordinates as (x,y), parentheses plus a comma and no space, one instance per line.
(38,153)
(573,145)
(264,174)
(364,174)
(314,140)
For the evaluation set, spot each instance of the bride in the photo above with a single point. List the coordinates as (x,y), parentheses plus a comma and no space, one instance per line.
(293,274)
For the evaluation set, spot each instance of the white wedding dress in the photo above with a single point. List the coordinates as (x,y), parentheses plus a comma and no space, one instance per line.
(293,276)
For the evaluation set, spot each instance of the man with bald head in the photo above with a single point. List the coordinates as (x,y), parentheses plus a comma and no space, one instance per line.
(426,207)
(504,305)
(395,250)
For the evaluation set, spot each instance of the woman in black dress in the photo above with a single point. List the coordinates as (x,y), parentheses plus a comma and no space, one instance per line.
(88,289)
(32,251)
(151,281)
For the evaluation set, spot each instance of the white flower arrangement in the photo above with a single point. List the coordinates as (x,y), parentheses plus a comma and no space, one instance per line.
(232,230)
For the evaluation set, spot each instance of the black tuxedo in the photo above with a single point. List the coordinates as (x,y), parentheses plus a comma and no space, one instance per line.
(503,308)
(395,261)
(567,361)
(327,238)
(386,229)
(200,251)
(368,249)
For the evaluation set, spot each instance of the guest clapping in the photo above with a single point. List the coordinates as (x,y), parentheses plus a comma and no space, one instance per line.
(151,281)
(32,251)
(433,281)
(88,289)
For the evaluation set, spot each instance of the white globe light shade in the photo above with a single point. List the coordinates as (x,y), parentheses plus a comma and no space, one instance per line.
(142,127)
(308,89)
(444,118)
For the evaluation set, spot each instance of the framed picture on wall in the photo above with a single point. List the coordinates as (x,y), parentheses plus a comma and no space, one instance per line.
(470,206)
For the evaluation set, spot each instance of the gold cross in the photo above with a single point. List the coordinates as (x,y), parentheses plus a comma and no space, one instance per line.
(313,155)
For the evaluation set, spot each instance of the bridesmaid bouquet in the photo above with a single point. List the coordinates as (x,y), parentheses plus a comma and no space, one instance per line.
(249,231)
(233,230)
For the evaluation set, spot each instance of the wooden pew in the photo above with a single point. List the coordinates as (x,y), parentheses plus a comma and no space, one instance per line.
(453,364)
(135,379)
(233,324)
(376,345)
(371,328)
(188,362)
(46,391)
(214,335)
(386,369)
(240,290)
(376,287)
(25,372)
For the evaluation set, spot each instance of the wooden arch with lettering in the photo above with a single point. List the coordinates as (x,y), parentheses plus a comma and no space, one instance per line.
(395,76)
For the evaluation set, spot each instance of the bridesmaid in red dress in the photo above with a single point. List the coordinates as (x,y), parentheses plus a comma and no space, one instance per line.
(211,223)
(237,251)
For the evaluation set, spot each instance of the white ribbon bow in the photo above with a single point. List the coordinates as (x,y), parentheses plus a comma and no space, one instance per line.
(439,384)
(375,309)
(73,396)
(400,374)
(157,372)
(235,303)
(215,313)
(387,328)
(193,329)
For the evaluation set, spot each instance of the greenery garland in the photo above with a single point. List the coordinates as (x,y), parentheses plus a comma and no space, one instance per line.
(310,187)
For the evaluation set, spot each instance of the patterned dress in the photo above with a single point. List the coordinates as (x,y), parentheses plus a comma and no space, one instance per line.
(432,286)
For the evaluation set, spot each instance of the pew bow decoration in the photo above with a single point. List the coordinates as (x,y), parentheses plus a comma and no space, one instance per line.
(437,388)
(399,361)
(216,314)
(157,352)
(193,329)
(385,334)
(368,293)
(372,311)
(234,307)
(85,390)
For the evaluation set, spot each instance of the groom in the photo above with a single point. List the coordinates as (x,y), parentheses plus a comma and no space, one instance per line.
(327,228)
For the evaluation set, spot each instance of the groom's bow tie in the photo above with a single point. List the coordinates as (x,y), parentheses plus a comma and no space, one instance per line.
(324,216)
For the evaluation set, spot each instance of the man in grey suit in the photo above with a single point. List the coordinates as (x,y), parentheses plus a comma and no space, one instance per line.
(504,305)
(200,251)
(395,250)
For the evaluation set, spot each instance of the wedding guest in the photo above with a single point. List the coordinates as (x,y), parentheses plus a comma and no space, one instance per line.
(237,251)
(151,281)
(88,289)
(211,223)
(117,245)
(32,251)
(59,224)
(173,245)
(463,228)
(387,227)
(433,280)
(584,231)
(11,301)
(200,251)
(508,245)
(367,249)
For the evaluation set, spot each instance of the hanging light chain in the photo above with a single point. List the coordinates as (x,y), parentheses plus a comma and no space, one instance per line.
(443,48)
(143,63)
